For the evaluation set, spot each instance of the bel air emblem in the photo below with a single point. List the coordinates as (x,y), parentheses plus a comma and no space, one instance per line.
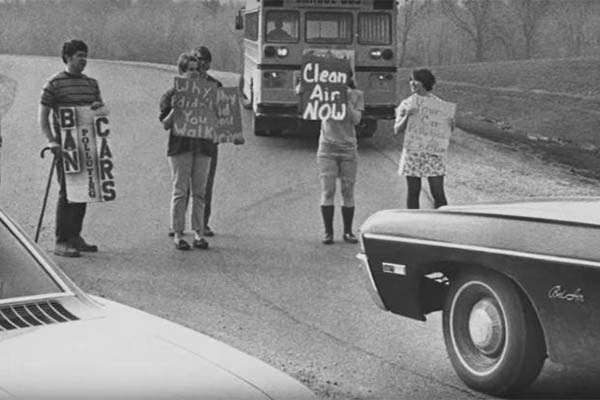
(558,293)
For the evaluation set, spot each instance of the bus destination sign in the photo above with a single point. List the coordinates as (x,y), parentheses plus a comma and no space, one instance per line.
(329,3)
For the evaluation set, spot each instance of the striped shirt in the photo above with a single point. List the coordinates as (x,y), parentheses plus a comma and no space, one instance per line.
(67,90)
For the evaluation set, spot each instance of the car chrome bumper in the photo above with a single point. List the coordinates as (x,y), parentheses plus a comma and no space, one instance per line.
(368,280)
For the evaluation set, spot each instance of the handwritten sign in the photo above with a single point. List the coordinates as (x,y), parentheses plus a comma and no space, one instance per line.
(87,156)
(429,130)
(229,118)
(194,108)
(324,84)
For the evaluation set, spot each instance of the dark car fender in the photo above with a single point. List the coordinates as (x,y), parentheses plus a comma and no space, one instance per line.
(412,270)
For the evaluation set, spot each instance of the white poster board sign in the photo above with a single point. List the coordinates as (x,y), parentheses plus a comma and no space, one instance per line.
(429,129)
(86,154)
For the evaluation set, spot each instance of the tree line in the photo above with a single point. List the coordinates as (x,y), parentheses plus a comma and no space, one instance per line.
(438,32)
(430,32)
(142,30)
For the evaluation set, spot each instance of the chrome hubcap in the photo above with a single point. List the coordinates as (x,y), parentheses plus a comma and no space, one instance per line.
(485,327)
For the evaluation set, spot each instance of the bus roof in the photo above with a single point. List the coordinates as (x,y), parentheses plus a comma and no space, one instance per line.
(322,4)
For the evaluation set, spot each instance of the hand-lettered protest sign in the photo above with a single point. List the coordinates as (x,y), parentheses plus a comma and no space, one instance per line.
(86,154)
(324,83)
(229,119)
(429,129)
(194,105)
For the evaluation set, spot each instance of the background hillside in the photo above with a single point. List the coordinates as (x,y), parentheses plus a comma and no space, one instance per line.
(520,70)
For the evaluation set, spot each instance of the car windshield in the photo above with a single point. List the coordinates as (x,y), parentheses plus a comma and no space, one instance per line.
(21,274)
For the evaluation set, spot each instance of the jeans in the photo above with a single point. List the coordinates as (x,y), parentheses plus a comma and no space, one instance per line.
(190,174)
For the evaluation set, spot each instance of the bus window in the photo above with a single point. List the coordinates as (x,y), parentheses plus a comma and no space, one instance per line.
(328,27)
(374,28)
(282,26)
(251,31)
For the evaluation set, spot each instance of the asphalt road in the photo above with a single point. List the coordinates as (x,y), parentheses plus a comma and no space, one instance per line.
(266,285)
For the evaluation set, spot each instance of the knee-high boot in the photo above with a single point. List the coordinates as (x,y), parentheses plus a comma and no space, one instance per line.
(327,213)
(348,216)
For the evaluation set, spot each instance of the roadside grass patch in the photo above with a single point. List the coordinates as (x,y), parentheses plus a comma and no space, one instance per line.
(551,105)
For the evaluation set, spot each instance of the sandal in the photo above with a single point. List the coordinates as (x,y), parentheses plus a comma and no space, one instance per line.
(182,245)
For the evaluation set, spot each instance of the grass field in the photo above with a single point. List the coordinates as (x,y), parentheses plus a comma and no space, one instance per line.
(553,105)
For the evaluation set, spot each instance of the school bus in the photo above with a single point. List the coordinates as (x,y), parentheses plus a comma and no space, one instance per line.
(276,33)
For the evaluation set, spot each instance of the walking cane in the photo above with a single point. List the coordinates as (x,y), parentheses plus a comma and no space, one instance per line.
(39,226)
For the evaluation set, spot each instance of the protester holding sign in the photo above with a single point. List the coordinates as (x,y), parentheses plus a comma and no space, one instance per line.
(69,88)
(190,155)
(337,158)
(427,122)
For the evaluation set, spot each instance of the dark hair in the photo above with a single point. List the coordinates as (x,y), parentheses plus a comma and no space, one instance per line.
(183,61)
(424,76)
(202,53)
(72,47)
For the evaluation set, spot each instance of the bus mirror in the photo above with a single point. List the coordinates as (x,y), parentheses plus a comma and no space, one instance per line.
(239,21)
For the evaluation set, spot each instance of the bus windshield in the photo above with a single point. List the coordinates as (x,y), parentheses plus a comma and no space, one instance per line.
(374,28)
(282,26)
(328,27)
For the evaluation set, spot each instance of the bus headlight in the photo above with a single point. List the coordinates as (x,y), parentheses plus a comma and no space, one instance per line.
(282,51)
(375,54)
(269,51)
(387,54)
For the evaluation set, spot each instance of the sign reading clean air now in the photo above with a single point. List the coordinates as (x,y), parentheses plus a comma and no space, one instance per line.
(429,129)
(86,154)
(324,83)
(194,105)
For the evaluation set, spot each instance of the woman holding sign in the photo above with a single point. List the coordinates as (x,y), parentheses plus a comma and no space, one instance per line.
(189,154)
(427,122)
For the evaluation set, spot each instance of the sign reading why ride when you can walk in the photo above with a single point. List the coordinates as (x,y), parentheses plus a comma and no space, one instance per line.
(324,83)
(229,118)
(429,129)
(194,108)
(86,154)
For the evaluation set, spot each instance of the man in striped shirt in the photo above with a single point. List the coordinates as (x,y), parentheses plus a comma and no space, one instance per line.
(68,88)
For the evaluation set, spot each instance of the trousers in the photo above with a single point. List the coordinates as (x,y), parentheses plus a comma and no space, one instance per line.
(190,174)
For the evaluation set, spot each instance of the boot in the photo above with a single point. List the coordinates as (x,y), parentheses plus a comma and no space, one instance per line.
(348,216)
(327,213)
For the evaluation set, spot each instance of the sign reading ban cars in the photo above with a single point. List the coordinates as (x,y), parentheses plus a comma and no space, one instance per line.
(86,154)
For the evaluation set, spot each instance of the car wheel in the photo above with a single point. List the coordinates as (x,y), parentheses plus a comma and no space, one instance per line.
(492,334)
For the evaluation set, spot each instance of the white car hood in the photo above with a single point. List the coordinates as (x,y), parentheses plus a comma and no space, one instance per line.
(128,354)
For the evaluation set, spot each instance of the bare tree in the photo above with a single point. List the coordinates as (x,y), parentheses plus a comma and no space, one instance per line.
(409,13)
(529,13)
(475,18)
